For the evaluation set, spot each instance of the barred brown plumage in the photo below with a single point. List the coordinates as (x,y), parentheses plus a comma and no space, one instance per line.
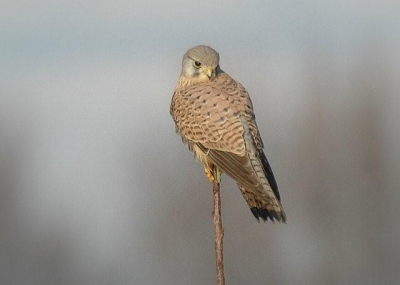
(214,115)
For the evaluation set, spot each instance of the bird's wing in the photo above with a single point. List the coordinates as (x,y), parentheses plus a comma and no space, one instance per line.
(205,114)
(218,117)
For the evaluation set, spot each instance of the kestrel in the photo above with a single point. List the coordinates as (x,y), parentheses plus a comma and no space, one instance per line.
(214,115)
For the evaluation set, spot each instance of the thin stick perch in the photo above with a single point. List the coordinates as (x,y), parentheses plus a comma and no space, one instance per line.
(219,231)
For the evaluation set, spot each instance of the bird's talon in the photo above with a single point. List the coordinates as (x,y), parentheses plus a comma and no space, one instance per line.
(209,174)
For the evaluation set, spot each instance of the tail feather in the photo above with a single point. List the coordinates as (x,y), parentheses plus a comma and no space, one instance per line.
(270,175)
(261,208)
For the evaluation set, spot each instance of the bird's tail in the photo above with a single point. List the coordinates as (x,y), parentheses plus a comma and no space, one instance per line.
(261,207)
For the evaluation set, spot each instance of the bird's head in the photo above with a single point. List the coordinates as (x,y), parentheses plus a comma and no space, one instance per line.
(200,63)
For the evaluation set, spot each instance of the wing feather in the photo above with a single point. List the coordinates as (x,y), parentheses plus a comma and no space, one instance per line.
(218,117)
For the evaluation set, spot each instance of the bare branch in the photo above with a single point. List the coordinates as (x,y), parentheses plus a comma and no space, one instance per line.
(219,231)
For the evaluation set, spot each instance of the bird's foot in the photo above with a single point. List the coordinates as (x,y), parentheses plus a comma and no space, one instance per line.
(209,174)
(213,174)
(217,174)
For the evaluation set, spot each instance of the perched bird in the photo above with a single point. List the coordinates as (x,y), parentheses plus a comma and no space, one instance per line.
(214,115)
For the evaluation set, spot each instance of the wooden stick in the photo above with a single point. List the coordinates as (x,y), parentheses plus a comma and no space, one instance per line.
(219,231)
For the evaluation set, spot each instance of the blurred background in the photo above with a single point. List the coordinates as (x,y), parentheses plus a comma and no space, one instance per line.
(96,187)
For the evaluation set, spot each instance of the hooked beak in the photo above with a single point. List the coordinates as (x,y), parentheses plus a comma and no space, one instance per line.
(209,72)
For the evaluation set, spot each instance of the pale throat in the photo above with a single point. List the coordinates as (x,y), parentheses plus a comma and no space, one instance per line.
(187,81)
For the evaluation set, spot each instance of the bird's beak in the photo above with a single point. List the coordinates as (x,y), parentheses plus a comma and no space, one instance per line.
(209,72)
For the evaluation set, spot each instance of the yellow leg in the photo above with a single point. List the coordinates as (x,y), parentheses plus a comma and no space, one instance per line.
(217,174)
(209,174)
(213,174)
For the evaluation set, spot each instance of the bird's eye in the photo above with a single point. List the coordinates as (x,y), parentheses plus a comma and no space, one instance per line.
(197,64)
